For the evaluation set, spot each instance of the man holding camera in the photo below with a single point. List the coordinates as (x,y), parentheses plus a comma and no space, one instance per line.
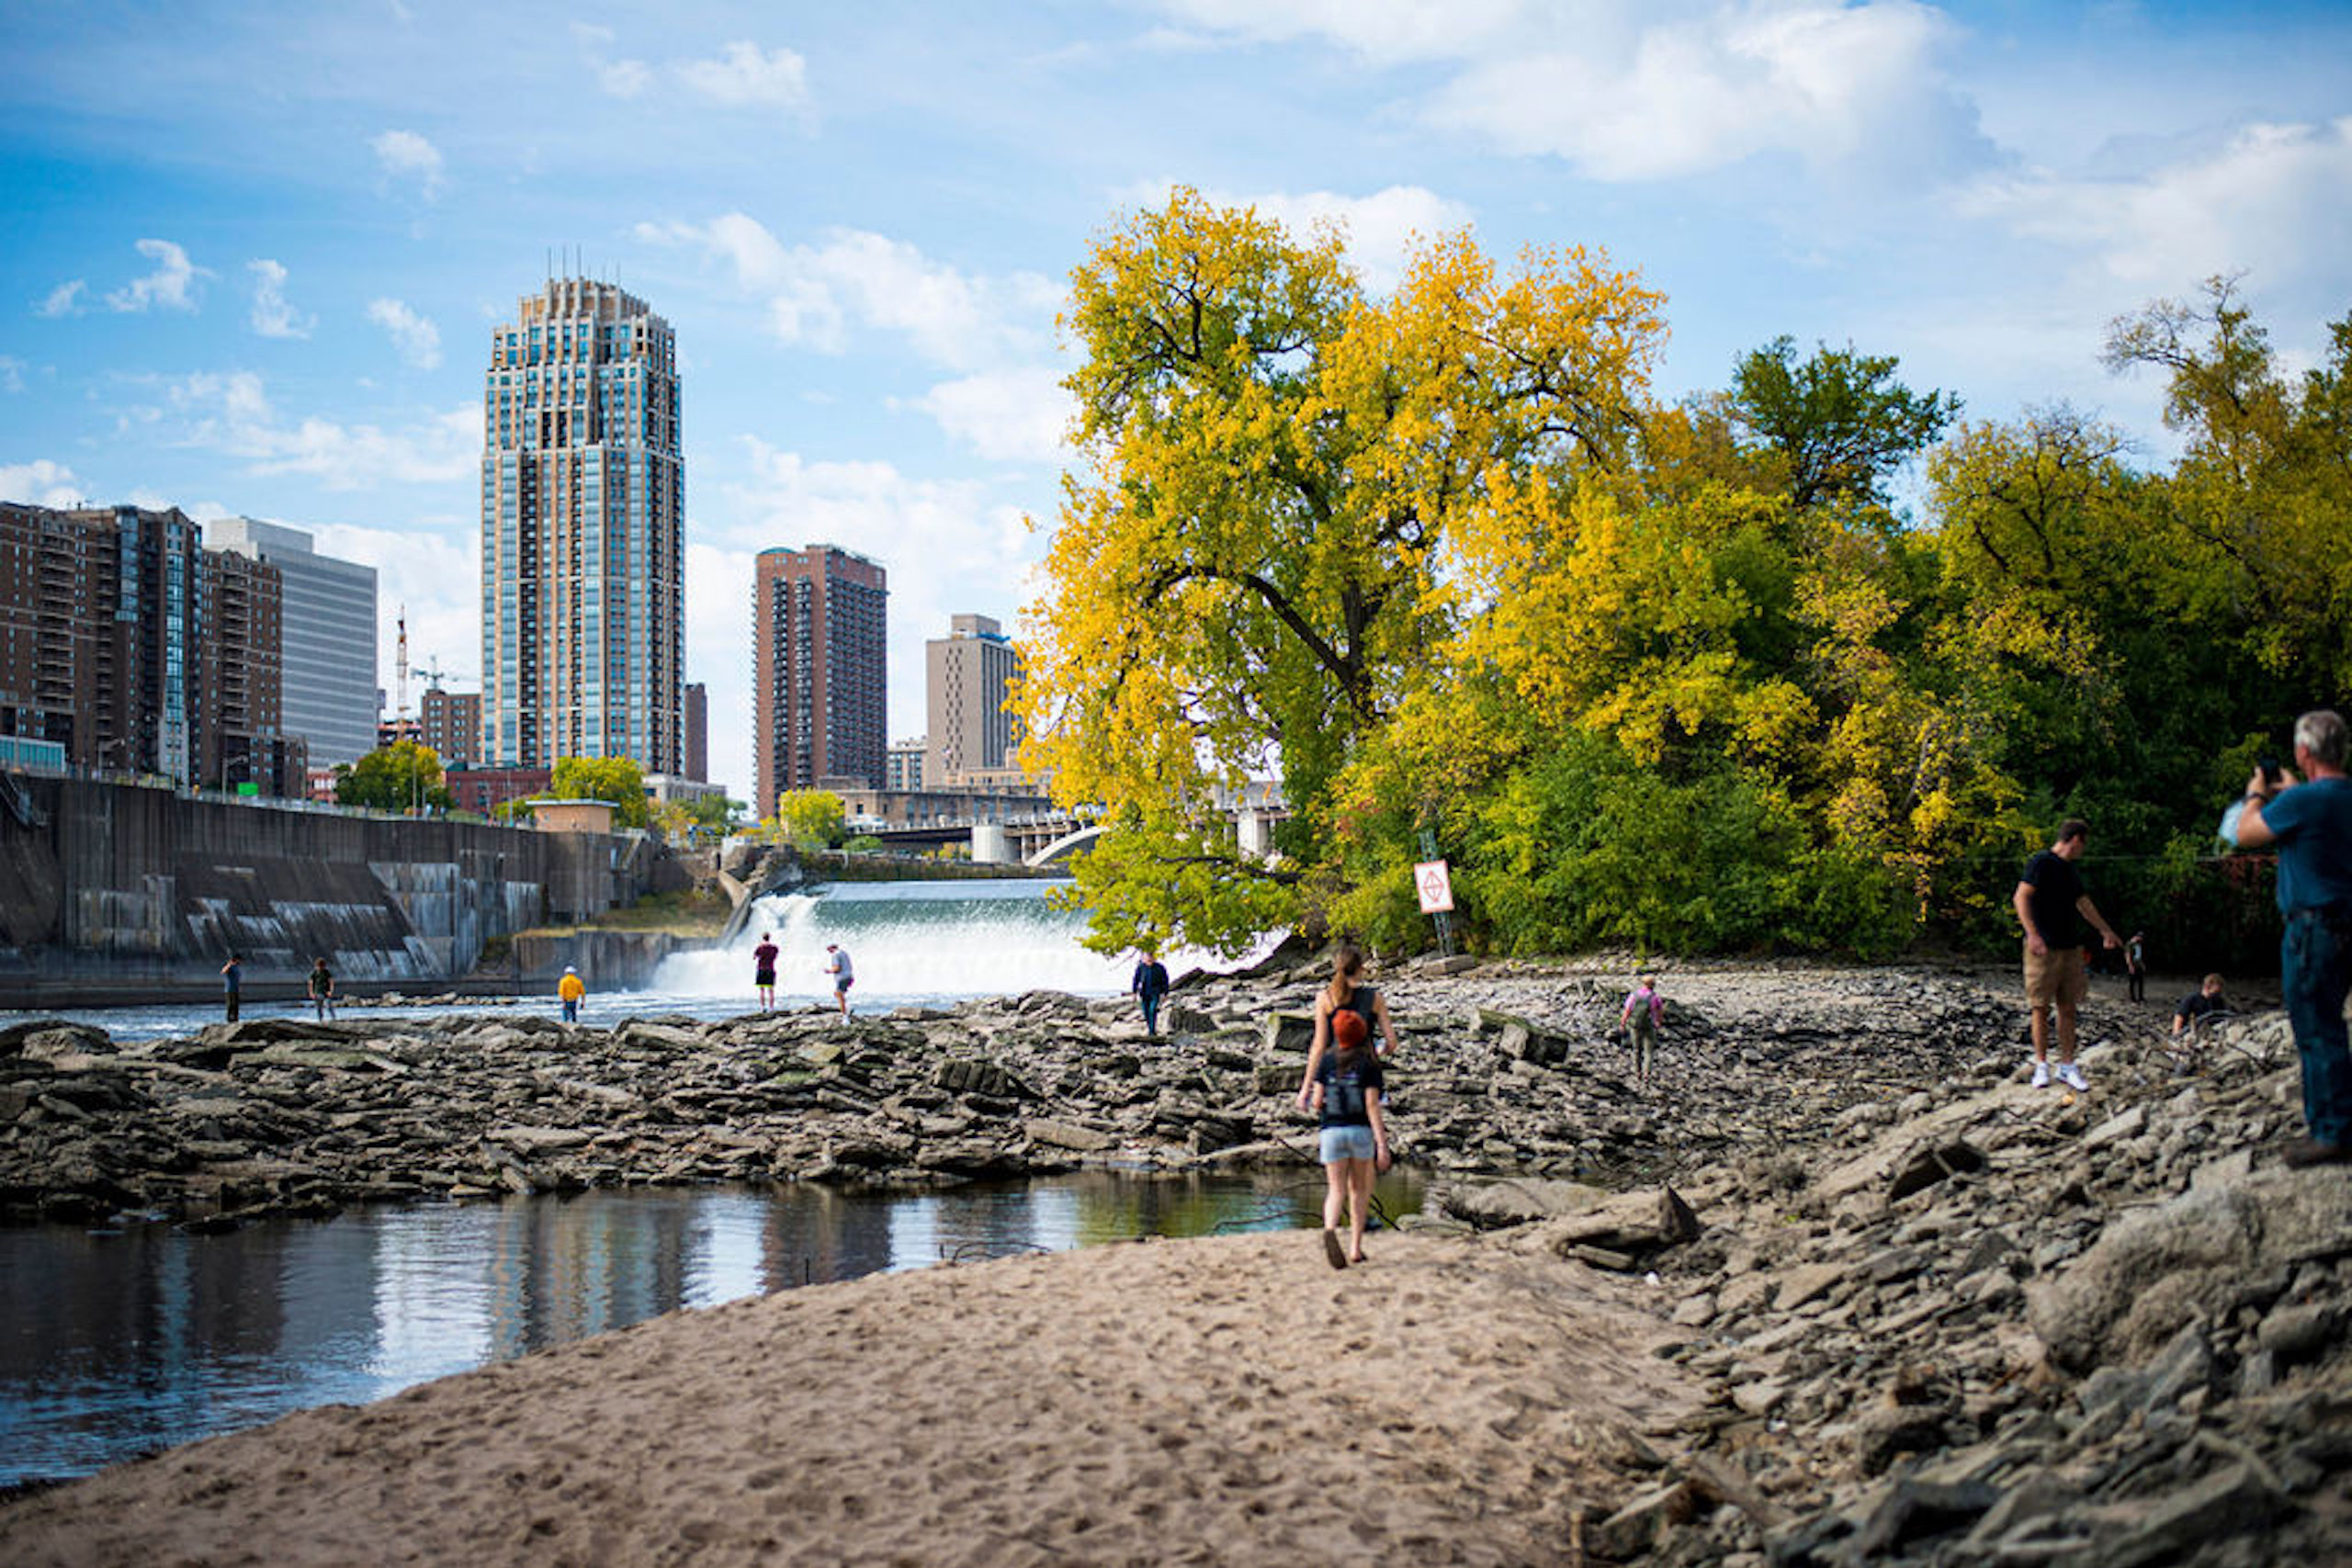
(2309,821)
(2052,908)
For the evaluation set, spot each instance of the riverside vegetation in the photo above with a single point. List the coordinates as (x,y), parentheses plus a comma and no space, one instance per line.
(1681,675)
(1941,1318)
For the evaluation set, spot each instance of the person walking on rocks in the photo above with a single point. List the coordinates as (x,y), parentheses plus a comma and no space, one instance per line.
(321,989)
(2052,908)
(232,973)
(763,970)
(1347,1088)
(569,990)
(2135,965)
(1345,994)
(837,965)
(2309,822)
(1148,985)
(1644,1011)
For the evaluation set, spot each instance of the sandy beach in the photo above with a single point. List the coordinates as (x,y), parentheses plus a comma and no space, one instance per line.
(1228,1400)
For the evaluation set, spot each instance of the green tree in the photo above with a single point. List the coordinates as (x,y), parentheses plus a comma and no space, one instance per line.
(403,776)
(1840,423)
(811,818)
(616,779)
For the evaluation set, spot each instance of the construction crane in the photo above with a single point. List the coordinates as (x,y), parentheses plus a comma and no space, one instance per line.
(399,667)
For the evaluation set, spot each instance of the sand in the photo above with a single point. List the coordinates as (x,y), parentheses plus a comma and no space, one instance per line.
(1226,1400)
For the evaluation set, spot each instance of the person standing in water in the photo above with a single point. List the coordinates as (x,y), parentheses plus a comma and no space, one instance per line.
(321,989)
(837,965)
(231,973)
(1346,1089)
(1148,984)
(1345,994)
(763,970)
(570,991)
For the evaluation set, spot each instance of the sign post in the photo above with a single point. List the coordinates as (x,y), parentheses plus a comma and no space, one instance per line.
(1434,885)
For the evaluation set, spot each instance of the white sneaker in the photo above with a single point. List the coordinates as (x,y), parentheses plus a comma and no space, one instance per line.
(2041,1074)
(2071,1076)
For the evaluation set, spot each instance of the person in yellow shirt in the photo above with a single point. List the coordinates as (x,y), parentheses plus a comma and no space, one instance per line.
(571,988)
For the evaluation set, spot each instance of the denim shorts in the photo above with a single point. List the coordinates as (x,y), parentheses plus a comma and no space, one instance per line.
(1346,1143)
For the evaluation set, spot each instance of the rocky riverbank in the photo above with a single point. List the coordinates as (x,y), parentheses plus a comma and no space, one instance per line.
(1901,1307)
(1509,1069)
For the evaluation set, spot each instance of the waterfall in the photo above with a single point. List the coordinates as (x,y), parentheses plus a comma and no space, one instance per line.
(909,941)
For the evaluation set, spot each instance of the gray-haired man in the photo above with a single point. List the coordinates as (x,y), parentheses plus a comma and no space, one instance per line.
(2309,822)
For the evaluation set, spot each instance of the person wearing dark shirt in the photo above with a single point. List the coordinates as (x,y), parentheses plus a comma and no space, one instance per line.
(1148,984)
(231,973)
(2053,909)
(2204,1002)
(2309,822)
(323,989)
(763,970)
(1348,1085)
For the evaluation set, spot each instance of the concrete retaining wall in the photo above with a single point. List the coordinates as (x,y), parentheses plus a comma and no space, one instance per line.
(114,892)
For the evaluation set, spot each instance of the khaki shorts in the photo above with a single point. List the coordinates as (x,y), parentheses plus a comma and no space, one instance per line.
(2057,975)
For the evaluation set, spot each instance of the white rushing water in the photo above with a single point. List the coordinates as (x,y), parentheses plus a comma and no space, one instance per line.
(908,941)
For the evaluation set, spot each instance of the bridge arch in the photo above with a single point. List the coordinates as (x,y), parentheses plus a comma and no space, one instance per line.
(1064,847)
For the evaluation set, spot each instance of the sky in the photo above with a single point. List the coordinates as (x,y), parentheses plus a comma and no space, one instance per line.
(257,251)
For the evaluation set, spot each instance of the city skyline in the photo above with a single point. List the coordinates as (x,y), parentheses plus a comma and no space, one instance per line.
(261,250)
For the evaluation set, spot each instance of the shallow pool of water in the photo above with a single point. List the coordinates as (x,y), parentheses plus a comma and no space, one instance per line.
(114,1343)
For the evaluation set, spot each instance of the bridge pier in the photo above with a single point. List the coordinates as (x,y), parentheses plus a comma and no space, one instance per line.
(991,845)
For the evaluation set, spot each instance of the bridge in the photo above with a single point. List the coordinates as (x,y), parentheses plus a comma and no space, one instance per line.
(1051,836)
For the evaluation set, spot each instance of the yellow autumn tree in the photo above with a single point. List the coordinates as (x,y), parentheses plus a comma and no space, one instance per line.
(1247,573)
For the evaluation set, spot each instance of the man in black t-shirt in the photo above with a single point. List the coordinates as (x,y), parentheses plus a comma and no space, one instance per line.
(2205,1002)
(2052,908)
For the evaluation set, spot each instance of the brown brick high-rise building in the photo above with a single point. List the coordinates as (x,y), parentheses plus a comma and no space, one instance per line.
(127,643)
(820,669)
(450,722)
(695,721)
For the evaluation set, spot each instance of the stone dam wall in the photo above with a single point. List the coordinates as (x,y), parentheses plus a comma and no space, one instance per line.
(114,893)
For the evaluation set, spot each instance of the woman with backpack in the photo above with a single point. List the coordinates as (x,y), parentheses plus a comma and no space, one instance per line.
(1347,1090)
(1345,994)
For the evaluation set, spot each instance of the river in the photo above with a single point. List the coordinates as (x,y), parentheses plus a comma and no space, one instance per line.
(119,1340)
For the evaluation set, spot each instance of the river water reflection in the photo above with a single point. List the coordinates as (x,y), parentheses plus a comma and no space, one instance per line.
(116,1343)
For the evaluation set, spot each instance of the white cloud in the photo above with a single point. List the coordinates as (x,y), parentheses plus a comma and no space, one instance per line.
(418,339)
(405,155)
(65,300)
(230,413)
(12,373)
(1380,228)
(271,315)
(2271,197)
(171,287)
(625,78)
(1665,88)
(40,483)
(1384,31)
(1854,86)
(745,76)
(1011,416)
(815,293)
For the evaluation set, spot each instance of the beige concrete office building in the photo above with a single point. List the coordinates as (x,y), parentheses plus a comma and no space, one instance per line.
(966,676)
(583,533)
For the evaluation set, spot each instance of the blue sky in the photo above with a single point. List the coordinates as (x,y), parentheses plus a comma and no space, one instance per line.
(257,251)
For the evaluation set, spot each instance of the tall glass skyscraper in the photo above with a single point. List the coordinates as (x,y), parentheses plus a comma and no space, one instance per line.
(582,531)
